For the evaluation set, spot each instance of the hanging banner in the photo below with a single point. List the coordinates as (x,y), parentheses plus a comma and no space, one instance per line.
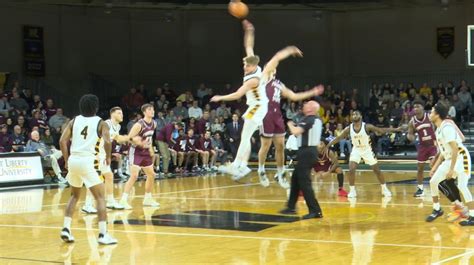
(33,51)
(445,40)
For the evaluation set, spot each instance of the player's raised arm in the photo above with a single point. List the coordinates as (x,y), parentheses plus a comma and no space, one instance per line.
(105,135)
(249,84)
(288,93)
(249,37)
(271,66)
(336,140)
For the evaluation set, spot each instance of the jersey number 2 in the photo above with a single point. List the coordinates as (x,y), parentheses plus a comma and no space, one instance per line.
(84,132)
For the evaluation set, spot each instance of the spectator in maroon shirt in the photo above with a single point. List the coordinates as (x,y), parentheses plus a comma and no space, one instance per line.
(203,124)
(180,146)
(6,141)
(206,151)
(191,150)
(133,100)
(164,139)
(20,121)
(38,121)
(50,108)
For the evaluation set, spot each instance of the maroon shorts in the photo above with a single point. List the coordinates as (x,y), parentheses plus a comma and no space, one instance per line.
(321,168)
(140,159)
(425,153)
(272,125)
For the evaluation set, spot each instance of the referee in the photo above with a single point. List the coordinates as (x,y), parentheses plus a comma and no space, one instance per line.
(308,132)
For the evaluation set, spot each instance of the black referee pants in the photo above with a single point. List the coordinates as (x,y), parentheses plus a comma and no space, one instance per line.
(301,179)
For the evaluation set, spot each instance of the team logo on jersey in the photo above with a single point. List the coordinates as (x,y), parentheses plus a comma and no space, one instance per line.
(222,220)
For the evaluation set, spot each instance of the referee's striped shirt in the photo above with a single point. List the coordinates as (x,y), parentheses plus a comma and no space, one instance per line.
(313,128)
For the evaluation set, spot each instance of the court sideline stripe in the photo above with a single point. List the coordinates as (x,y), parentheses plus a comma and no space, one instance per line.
(34,260)
(237,237)
(453,257)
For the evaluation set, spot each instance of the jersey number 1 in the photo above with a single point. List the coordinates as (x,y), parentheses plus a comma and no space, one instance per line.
(84,132)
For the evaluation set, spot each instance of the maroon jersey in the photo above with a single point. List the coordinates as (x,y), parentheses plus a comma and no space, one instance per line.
(273,90)
(191,143)
(205,144)
(323,163)
(146,133)
(181,144)
(425,131)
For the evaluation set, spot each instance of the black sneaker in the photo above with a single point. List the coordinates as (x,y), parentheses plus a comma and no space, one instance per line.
(468,222)
(313,215)
(288,211)
(419,193)
(435,214)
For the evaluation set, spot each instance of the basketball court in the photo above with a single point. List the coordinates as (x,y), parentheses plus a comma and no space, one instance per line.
(214,220)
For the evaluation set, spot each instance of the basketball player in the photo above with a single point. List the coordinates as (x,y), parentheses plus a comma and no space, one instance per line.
(141,156)
(208,155)
(362,149)
(85,133)
(326,164)
(454,162)
(426,150)
(254,90)
(273,127)
(116,117)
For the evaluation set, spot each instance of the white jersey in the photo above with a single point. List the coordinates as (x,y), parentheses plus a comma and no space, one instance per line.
(85,136)
(256,95)
(445,134)
(361,139)
(114,130)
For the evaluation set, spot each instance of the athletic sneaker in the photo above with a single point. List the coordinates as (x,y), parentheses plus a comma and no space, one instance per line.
(435,214)
(66,235)
(352,194)
(114,205)
(150,202)
(240,173)
(386,192)
(458,212)
(342,192)
(88,209)
(282,180)
(106,239)
(229,169)
(263,179)
(62,180)
(468,222)
(419,193)
(124,204)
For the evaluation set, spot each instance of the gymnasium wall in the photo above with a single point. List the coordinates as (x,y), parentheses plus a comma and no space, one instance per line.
(349,49)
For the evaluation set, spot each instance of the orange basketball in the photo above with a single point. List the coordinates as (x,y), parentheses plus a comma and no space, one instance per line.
(238,9)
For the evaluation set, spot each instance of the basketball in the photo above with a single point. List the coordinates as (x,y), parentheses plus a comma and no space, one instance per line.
(238,9)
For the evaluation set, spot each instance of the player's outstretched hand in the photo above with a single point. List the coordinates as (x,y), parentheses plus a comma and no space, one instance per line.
(294,51)
(318,90)
(216,99)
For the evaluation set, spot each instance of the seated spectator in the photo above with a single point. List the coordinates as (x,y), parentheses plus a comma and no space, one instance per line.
(429,103)
(48,139)
(38,121)
(466,99)
(218,145)
(292,111)
(442,99)
(48,153)
(195,111)
(160,102)
(382,140)
(409,109)
(10,125)
(328,133)
(223,110)
(157,96)
(180,110)
(133,100)
(5,107)
(397,112)
(133,119)
(57,121)
(18,139)
(180,148)
(191,124)
(204,124)
(425,91)
(344,142)
(19,105)
(23,125)
(5,139)
(50,109)
(458,106)
(217,126)
(208,154)
(201,92)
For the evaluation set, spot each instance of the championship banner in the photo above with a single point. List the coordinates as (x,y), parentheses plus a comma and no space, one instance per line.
(33,51)
(20,167)
(445,40)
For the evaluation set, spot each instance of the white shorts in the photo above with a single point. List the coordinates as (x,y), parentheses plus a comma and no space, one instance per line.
(103,167)
(462,167)
(256,113)
(83,170)
(366,154)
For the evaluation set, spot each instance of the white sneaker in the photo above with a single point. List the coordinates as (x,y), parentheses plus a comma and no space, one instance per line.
(228,169)
(150,202)
(343,155)
(88,209)
(386,192)
(124,204)
(263,179)
(283,182)
(242,172)
(114,205)
(106,239)
(352,194)
(66,235)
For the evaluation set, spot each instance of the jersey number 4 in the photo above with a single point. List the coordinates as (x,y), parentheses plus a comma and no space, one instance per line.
(84,132)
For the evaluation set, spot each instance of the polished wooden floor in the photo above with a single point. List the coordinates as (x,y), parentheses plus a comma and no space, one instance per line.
(213,220)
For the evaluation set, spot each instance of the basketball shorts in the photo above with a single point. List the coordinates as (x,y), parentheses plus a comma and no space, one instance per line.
(367,155)
(83,171)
